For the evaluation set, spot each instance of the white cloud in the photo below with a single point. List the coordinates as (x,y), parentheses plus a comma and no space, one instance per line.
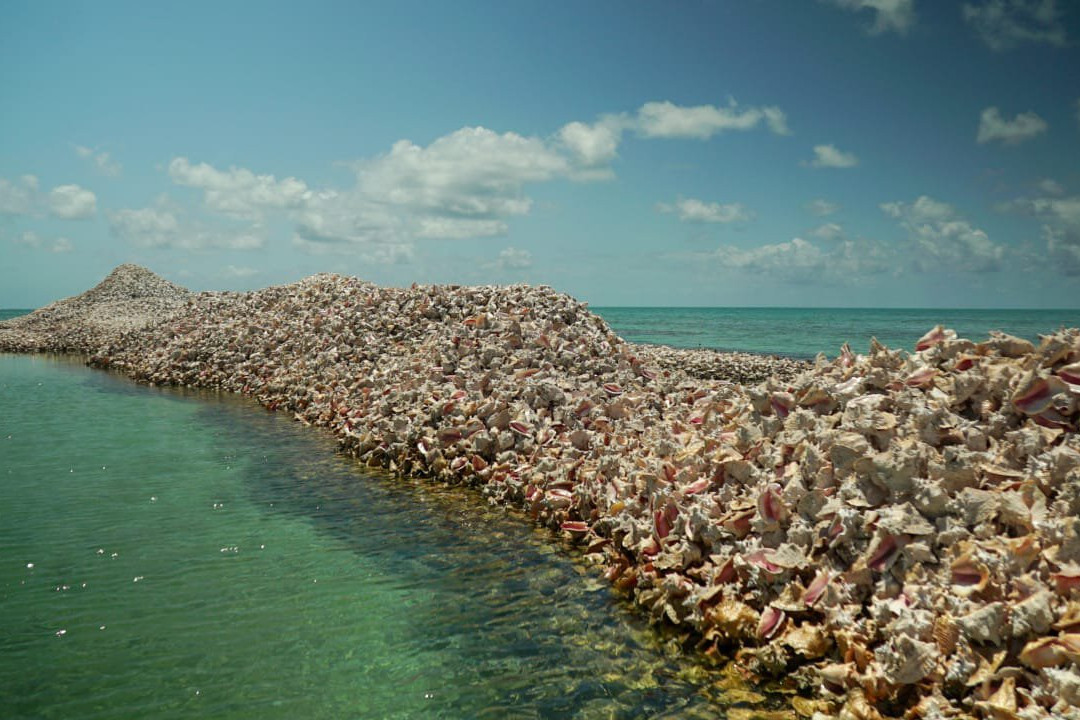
(466,184)
(693,210)
(32,239)
(459,228)
(895,15)
(146,227)
(101,160)
(802,262)
(1051,187)
(18,198)
(160,227)
(472,172)
(595,144)
(232,271)
(828,156)
(1010,132)
(72,202)
(667,120)
(1003,24)
(238,191)
(61,245)
(1061,228)
(514,259)
(822,207)
(828,231)
(943,240)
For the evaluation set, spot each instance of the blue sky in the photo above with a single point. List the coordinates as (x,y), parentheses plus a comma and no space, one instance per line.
(887,153)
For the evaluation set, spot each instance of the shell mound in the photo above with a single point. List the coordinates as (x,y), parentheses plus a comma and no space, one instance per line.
(894,533)
(130,297)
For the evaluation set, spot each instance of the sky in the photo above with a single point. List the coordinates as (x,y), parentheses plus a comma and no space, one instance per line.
(817,153)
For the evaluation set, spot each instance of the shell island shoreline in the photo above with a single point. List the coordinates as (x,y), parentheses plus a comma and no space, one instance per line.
(893,535)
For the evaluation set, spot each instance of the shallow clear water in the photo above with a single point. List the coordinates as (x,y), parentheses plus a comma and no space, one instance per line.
(804,332)
(174,554)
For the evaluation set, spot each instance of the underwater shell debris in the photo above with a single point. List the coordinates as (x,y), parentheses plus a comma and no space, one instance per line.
(894,534)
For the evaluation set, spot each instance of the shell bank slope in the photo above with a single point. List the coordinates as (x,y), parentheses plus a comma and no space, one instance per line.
(893,533)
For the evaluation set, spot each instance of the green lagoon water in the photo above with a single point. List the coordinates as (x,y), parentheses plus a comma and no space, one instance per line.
(174,554)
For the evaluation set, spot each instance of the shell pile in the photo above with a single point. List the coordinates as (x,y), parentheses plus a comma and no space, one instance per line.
(131,297)
(896,534)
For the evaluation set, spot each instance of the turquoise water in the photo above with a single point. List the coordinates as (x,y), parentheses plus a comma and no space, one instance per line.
(804,332)
(174,554)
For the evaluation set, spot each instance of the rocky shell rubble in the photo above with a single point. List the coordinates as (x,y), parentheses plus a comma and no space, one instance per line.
(131,297)
(896,534)
(705,364)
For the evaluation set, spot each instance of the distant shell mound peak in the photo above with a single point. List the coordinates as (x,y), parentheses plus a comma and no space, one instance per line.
(129,298)
(134,281)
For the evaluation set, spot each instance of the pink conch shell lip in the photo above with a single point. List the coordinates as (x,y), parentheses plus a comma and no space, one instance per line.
(885,552)
(817,588)
(771,620)
(1070,375)
(937,335)
(696,486)
(575,526)
(771,505)
(921,377)
(760,558)
(782,403)
(1037,395)
(664,518)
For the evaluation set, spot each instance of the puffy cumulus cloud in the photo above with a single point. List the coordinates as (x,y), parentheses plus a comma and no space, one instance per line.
(459,228)
(801,262)
(828,231)
(1003,24)
(1051,187)
(466,184)
(18,197)
(1060,217)
(698,211)
(667,120)
(146,227)
(1010,132)
(472,172)
(829,156)
(943,240)
(238,272)
(822,207)
(889,15)
(61,245)
(72,202)
(512,258)
(595,144)
(163,227)
(239,191)
(100,160)
(32,239)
